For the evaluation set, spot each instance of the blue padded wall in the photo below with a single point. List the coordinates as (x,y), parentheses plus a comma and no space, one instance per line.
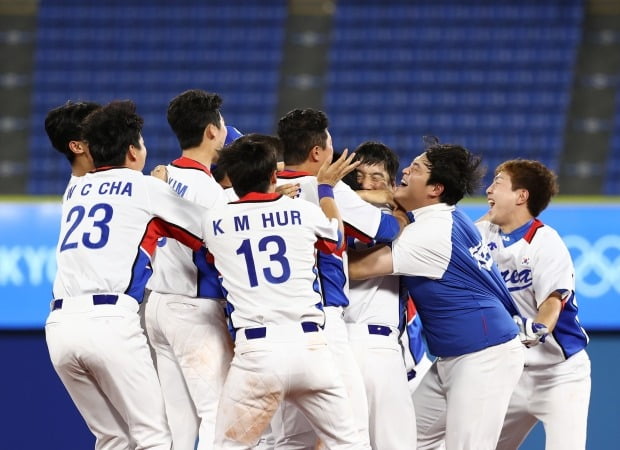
(149,52)
(492,76)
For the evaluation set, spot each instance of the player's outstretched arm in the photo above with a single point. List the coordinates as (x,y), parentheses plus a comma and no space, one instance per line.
(327,177)
(549,310)
(372,262)
(378,197)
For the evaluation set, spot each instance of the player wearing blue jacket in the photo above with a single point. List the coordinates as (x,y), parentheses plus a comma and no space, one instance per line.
(464,305)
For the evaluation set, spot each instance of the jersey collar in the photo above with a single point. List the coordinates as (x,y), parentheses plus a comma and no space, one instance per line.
(104,168)
(516,235)
(253,197)
(187,163)
(290,174)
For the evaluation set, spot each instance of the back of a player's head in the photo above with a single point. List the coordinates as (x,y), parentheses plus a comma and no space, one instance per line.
(63,124)
(300,130)
(249,162)
(110,130)
(190,112)
(533,176)
(371,153)
(456,168)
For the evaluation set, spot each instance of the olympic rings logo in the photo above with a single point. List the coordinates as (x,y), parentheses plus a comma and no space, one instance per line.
(597,265)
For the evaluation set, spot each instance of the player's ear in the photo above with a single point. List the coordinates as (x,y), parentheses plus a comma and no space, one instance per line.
(437,189)
(132,153)
(77,147)
(523,196)
(274,177)
(210,132)
(315,153)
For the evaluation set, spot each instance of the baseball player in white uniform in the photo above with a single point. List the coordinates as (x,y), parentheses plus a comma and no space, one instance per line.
(111,220)
(307,145)
(466,309)
(539,273)
(185,312)
(375,317)
(264,247)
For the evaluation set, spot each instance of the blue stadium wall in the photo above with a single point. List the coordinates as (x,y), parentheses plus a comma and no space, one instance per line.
(38,413)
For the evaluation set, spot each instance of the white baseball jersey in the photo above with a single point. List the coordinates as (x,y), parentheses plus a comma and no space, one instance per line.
(111,220)
(362,221)
(376,300)
(375,317)
(264,248)
(175,271)
(192,345)
(230,194)
(555,386)
(534,262)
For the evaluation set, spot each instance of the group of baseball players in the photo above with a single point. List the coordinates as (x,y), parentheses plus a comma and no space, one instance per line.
(263,292)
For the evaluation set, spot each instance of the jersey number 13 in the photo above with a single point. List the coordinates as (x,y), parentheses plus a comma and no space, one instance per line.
(279,272)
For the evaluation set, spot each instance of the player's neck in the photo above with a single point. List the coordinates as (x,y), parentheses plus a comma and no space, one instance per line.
(516,219)
(203,155)
(81,166)
(303,167)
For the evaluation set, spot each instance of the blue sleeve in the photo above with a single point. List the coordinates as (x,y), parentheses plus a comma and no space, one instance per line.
(388,228)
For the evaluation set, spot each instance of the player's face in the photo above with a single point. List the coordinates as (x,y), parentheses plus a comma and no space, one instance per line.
(328,149)
(413,191)
(502,199)
(373,176)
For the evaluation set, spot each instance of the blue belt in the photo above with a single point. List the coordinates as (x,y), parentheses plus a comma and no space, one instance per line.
(98,299)
(411,375)
(379,329)
(261,332)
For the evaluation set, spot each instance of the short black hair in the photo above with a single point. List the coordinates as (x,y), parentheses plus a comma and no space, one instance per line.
(249,163)
(110,130)
(63,124)
(456,168)
(372,152)
(190,112)
(300,130)
(218,172)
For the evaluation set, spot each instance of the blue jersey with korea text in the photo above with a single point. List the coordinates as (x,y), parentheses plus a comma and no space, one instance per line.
(460,295)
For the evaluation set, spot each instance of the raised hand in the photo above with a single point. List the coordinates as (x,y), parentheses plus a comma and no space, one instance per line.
(331,173)
(289,189)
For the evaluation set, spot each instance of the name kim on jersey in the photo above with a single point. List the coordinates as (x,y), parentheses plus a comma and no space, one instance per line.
(265,220)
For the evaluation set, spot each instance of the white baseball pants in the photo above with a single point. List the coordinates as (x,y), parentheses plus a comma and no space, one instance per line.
(284,362)
(100,353)
(193,350)
(463,399)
